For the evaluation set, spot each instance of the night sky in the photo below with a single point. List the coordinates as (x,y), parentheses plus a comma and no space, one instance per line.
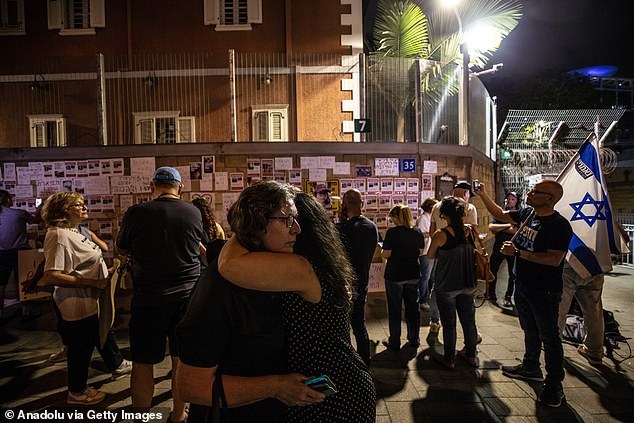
(562,35)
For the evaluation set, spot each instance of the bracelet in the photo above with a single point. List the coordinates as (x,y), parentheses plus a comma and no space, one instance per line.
(517,252)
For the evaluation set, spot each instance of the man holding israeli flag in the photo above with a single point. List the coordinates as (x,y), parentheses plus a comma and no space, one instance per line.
(585,204)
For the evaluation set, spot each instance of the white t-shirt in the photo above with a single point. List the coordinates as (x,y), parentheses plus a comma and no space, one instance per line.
(424,222)
(470,218)
(70,252)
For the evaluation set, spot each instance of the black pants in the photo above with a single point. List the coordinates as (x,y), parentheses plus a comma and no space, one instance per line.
(496,261)
(357,322)
(80,337)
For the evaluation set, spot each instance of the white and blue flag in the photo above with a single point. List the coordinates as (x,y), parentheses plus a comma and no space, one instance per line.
(586,205)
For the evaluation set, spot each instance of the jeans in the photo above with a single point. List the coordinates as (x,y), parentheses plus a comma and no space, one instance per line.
(406,292)
(357,322)
(538,312)
(461,301)
(588,293)
(423,284)
(497,259)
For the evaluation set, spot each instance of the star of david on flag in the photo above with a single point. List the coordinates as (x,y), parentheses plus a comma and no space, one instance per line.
(586,205)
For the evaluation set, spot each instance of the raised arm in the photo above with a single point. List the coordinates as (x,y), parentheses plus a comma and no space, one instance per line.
(266,271)
(493,208)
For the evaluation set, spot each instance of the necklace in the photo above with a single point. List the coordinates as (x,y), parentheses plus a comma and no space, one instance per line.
(168,193)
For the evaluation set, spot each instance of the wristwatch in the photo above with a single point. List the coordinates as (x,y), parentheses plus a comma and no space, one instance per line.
(517,252)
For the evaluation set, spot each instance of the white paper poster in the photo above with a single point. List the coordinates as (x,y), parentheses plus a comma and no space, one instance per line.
(117,166)
(279,176)
(82,168)
(209,164)
(359,184)
(206,183)
(283,163)
(23,191)
(309,162)
(8,173)
(106,167)
(295,176)
(424,195)
(316,174)
(371,202)
(344,185)
(121,184)
(47,187)
(23,175)
(253,167)
(59,169)
(374,185)
(221,181)
(142,166)
(125,202)
(412,203)
(341,168)
(142,184)
(387,184)
(236,181)
(430,166)
(107,203)
(49,171)
(267,167)
(386,166)
(93,168)
(186,181)
(37,170)
(412,185)
(327,162)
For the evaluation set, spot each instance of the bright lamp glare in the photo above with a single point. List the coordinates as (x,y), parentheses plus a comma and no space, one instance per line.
(449,3)
(482,38)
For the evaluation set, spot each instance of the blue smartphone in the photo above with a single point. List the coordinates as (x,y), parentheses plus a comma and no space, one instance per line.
(322,384)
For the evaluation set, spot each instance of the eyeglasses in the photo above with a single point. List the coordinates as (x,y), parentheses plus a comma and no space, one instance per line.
(534,191)
(80,205)
(289,220)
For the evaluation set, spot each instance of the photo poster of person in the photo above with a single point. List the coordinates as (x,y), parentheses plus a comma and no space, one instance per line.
(374,185)
(345,185)
(385,202)
(236,181)
(400,185)
(427,182)
(397,199)
(387,185)
(267,167)
(326,192)
(412,203)
(359,184)
(209,164)
(279,176)
(253,179)
(412,185)
(253,167)
(295,176)
(195,170)
(371,202)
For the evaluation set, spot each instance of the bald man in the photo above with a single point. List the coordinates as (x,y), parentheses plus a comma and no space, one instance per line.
(360,237)
(539,249)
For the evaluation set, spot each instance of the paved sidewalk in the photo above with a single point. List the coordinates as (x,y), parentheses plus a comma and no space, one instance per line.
(411,387)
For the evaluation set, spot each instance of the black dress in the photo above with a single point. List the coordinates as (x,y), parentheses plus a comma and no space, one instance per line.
(319,344)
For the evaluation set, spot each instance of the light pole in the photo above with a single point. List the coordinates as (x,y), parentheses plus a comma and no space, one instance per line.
(463,98)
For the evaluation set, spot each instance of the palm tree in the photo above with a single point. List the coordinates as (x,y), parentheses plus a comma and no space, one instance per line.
(422,30)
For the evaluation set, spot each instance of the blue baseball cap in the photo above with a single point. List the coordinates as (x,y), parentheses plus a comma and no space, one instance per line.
(167,174)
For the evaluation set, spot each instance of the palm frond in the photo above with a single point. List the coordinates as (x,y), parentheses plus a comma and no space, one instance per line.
(400,29)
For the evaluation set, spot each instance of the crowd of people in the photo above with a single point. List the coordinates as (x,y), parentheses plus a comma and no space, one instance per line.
(249,322)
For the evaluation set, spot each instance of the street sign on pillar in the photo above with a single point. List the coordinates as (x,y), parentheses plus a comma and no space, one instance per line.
(407,165)
(363,125)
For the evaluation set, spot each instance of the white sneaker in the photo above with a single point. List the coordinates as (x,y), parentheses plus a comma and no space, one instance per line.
(88,397)
(124,368)
(58,356)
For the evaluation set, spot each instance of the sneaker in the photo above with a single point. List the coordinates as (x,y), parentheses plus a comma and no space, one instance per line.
(88,397)
(478,338)
(389,346)
(551,396)
(58,356)
(472,361)
(434,327)
(124,368)
(522,373)
(442,360)
(507,302)
(592,359)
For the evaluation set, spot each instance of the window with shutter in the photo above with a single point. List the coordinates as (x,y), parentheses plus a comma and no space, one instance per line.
(185,129)
(146,127)
(232,15)
(47,131)
(12,17)
(269,122)
(163,128)
(76,17)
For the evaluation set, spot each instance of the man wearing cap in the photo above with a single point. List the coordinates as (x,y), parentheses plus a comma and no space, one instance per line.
(503,232)
(163,239)
(462,191)
(323,194)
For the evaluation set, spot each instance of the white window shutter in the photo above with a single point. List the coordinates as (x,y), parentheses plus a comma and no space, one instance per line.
(61,132)
(254,11)
(54,14)
(146,131)
(185,129)
(98,13)
(37,134)
(261,126)
(212,12)
(275,127)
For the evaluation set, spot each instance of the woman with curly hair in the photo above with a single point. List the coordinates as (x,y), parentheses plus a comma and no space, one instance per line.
(213,236)
(315,311)
(455,282)
(75,266)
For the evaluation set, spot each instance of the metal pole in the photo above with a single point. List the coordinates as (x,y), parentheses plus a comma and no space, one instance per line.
(101,106)
(232,95)
(362,91)
(464,117)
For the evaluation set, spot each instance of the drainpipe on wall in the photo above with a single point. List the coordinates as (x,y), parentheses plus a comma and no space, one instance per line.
(102,123)
(232,95)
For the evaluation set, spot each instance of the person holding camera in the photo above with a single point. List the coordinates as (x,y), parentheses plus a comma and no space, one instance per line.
(539,248)
(503,232)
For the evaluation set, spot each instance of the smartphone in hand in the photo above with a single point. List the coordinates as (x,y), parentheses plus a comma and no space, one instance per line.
(322,384)
(475,185)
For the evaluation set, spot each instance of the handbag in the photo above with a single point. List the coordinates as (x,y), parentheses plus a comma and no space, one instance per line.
(125,276)
(482,266)
(219,407)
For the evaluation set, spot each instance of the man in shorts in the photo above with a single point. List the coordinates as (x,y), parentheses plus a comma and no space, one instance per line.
(163,238)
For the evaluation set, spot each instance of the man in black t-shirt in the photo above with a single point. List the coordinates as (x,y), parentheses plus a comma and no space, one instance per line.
(360,237)
(163,238)
(539,249)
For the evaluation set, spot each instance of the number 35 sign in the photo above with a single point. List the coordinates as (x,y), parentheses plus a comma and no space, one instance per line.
(407,165)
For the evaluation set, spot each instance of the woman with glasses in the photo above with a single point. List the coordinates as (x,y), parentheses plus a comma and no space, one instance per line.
(75,266)
(318,278)
(402,246)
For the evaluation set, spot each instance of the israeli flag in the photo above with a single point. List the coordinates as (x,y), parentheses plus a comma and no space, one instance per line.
(586,205)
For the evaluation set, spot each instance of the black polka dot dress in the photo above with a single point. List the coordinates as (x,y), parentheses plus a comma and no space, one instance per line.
(319,344)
